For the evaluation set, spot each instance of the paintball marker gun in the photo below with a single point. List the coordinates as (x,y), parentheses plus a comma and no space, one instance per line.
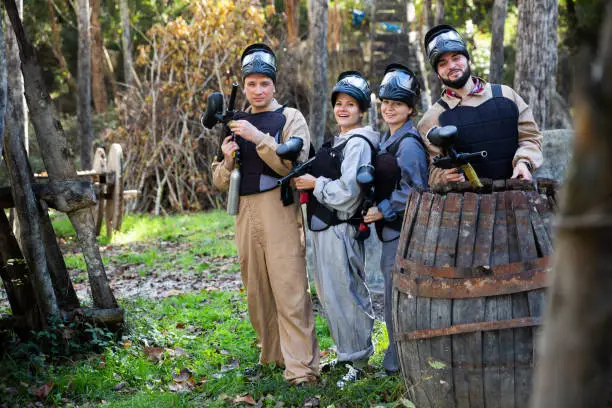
(365,179)
(290,150)
(444,137)
(213,115)
(214,112)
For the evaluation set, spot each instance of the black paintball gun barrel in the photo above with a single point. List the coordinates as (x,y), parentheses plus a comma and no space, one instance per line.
(444,137)
(298,170)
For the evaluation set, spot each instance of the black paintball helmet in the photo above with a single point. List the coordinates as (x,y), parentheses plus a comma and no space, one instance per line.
(400,84)
(353,84)
(258,59)
(441,39)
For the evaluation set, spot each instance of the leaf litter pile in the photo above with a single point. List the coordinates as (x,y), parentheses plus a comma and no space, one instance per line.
(134,280)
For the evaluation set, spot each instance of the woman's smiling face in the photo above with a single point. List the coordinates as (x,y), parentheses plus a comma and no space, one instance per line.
(347,112)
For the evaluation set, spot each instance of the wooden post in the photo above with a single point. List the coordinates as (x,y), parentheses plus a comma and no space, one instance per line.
(17,282)
(59,159)
(28,210)
(575,361)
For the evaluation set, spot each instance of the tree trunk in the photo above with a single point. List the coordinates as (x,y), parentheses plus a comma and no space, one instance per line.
(59,159)
(496,65)
(536,56)
(575,364)
(98,90)
(292,10)
(428,15)
(439,19)
(318,96)
(56,47)
(435,87)
(126,42)
(84,82)
(15,80)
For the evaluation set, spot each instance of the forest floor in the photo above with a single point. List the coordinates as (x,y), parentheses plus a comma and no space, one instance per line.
(187,338)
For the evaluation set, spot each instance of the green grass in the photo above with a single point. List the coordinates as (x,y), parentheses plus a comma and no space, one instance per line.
(205,333)
(196,236)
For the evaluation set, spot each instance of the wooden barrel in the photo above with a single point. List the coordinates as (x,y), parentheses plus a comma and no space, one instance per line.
(468,293)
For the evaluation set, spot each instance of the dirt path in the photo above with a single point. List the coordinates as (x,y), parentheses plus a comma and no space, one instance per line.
(130,281)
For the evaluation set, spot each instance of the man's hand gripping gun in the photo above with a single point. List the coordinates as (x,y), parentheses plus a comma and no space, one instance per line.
(213,115)
(444,137)
(365,180)
(290,150)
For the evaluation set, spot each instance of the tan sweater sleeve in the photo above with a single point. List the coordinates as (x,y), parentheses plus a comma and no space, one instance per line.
(530,137)
(220,175)
(428,122)
(294,126)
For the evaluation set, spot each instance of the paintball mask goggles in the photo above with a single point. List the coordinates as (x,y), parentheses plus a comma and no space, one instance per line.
(400,84)
(259,59)
(446,40)
(353,84)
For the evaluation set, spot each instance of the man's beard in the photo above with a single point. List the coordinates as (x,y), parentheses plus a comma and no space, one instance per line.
(459,82)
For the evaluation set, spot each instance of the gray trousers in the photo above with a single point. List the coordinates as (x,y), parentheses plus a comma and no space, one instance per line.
(387,260)
(340,280)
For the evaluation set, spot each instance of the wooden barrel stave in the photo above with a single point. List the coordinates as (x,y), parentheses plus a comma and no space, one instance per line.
(408,355)
(482,368)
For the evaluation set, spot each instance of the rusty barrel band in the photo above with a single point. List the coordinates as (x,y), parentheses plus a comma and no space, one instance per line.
(471,287)
(469,328)
(415,269)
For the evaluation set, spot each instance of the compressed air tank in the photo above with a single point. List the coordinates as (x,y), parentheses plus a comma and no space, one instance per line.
(233,194)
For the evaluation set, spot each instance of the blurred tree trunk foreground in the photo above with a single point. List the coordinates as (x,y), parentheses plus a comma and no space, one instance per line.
(576,359)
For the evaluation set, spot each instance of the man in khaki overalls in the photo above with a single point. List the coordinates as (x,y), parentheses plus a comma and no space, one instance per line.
(268,233)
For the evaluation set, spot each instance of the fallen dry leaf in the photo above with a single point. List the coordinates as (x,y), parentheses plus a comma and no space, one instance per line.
(247,399)
(186,386)
(154,353)
(235,363)
(44,390)
(183,376)
(120,386)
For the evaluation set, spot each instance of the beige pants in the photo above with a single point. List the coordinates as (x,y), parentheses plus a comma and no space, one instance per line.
(272,263)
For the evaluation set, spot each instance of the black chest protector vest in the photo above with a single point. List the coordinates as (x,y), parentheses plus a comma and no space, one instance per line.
(328,164)
(387,177)
(251,166)
(492,126)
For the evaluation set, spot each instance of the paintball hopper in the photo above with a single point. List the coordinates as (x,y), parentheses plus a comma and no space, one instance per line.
(214,110)
(365,175)
(290,150)
(443,136)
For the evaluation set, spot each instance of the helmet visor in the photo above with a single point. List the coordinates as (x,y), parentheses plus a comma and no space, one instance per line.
(401,79)
(438,40)
(260,56)
(356,82)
